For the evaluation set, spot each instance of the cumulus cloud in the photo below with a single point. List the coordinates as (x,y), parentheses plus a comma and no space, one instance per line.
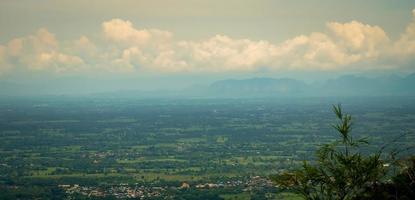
(316,51)
(123,32)
(39,52)
(84,47)
(405,46)
(4,65)
(341,46)
(358,37)
(56,61)
(222,53)
(126,48)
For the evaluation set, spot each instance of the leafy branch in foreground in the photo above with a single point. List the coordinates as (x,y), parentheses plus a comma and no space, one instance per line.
(340,171)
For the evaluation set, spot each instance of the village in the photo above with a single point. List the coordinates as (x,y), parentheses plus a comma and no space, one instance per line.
(136,191)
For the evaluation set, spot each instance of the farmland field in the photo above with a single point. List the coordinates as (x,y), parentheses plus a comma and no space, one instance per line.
(102,143)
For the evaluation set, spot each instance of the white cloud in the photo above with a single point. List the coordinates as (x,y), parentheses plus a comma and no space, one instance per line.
(56,61)
(123,33)
(39,52)
(345,44)
(405,46)
(129,60)
(84,47)
(317,51)
(15,47)
(359,38)
(4,65)
(125,48)
(222,53)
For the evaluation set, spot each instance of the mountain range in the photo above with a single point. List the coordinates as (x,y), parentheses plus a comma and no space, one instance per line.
(347,85)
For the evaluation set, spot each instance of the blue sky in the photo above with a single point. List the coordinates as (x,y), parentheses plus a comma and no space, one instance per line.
(180,40)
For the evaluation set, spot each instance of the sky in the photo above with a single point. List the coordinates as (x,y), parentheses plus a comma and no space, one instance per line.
(166,43)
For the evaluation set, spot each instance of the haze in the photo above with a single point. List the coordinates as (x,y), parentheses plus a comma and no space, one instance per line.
(78,47)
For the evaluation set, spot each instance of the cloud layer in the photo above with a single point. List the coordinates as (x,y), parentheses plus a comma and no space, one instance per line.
(125,48)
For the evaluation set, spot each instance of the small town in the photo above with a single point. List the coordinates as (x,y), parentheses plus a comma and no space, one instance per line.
(136,191)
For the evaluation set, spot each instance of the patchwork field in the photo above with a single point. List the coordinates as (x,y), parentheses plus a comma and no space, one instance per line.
(106,142)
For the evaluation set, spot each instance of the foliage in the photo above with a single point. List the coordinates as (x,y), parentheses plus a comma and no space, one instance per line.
(401,186)
(340,170)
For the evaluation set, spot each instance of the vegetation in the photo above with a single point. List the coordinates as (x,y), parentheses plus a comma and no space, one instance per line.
(342,171)
(111,146)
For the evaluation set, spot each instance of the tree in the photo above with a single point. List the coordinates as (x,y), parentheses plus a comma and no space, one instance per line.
(340,170)
(401,186)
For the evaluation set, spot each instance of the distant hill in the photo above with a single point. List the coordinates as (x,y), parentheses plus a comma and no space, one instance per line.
(258,87)
(362,86)
(348,85)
